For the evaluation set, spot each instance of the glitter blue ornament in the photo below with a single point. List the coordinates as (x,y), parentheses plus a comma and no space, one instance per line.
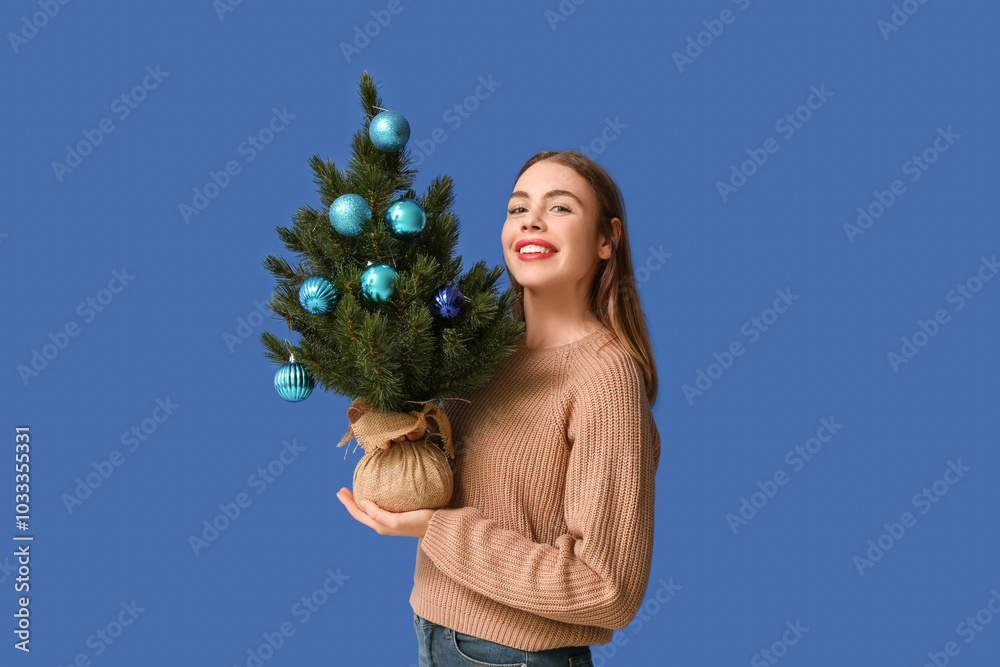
(318,295)
(293,382)
(405,219)
(348,213)
(447,302)
(389,131)
(378,282)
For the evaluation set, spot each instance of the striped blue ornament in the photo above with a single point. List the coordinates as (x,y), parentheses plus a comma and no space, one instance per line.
(318,295)
(293,382)
(447,302)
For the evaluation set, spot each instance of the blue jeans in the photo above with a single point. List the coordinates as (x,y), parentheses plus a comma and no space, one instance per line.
(443,647)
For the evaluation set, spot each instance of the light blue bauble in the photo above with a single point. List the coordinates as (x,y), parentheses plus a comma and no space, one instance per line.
(378,282)
(318,295)
(405,219)
(389,131)
(348,213)
(293,382)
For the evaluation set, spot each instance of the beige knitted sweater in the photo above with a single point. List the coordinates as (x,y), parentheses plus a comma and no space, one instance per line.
(548,538)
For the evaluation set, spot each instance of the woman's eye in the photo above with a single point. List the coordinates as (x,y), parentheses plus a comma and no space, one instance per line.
(514,210)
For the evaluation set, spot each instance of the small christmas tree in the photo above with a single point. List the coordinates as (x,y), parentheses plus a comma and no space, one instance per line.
(384,313)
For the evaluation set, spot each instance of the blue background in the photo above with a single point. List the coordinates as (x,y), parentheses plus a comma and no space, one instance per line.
(184,329)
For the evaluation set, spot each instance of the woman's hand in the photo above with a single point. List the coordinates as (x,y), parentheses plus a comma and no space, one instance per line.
(405,524)
(411,436)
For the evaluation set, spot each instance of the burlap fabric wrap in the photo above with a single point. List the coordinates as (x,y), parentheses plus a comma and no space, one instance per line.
(408,475)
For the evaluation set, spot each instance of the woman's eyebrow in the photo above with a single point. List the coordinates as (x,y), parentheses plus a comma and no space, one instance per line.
(550,193)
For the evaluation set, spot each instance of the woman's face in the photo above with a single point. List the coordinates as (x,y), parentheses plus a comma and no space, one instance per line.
(553,203)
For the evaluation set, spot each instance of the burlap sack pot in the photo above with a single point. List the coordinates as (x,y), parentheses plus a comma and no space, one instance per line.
(407,475)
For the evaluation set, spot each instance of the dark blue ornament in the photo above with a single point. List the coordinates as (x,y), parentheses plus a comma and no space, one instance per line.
(348,213)
(318,295)
(447,302)
(389,131)
(378,282)
(293,382)
(405,219)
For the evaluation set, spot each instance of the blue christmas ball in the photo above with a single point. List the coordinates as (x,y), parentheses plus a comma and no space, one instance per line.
(318,295)
(348,213)
(389,131)
(447,302)
(378,282)
(405,219)
(293,382)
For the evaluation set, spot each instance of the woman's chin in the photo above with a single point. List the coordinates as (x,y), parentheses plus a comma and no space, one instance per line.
(537,283)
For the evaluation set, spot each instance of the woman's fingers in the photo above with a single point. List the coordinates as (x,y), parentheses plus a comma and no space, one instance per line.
(411,436)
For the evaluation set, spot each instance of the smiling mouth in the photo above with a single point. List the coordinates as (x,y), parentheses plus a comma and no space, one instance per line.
(531,249)
(535,256)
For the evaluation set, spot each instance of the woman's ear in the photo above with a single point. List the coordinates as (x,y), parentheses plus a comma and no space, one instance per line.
(607,248)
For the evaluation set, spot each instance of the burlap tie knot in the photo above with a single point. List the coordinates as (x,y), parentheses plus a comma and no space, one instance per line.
(374,428)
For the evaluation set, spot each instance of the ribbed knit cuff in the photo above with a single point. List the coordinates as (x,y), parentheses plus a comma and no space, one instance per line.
(439,528)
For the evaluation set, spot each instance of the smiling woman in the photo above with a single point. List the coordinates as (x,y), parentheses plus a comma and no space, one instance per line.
(567,202)
(546,544)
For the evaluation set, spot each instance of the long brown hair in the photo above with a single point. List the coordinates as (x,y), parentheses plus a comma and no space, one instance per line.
(614,298)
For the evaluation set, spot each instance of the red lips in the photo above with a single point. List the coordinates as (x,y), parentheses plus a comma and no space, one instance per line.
(541,242)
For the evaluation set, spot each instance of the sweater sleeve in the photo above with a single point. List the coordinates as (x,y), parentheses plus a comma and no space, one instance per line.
(597,572)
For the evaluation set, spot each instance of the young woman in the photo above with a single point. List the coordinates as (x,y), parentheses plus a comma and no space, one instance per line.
(546,545)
